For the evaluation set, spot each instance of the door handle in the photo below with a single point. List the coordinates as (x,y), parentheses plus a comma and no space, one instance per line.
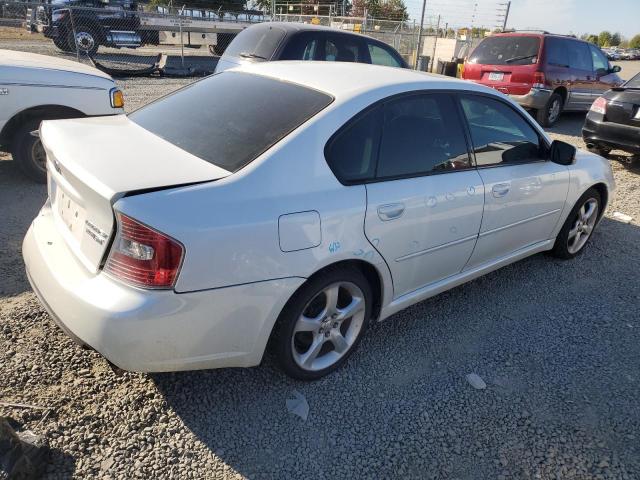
(500,189)
(390,211)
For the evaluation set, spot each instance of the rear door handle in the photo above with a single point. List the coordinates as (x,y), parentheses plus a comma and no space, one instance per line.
(390,211)
(500,189)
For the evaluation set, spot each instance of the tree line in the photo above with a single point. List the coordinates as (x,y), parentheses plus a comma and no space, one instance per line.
(608,39)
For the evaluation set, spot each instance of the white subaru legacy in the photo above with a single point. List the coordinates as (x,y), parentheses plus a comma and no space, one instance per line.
(290,204)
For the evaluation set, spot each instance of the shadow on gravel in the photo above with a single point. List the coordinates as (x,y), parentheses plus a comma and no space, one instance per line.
(570,123)
(557,343)
(20,201)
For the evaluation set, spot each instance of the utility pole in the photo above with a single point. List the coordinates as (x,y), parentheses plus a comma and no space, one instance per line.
(273,10)
(435,44)
(506,16)
(424,5)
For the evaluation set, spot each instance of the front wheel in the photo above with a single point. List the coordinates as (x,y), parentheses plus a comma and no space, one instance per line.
(84,39)
(579,226)
(29,153)
(548,115)
(323,323)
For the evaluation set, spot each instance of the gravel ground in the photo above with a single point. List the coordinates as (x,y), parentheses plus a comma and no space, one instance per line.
(558,344)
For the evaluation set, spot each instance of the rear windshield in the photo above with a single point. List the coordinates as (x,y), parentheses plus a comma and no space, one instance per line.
(231,118)
(508,50)
(259,42)
(634,82)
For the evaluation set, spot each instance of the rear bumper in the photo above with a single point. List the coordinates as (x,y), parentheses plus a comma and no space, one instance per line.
(151,330)
(611,135)
(537,98)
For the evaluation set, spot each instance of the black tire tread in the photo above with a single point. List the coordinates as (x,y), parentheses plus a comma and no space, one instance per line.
(560,247)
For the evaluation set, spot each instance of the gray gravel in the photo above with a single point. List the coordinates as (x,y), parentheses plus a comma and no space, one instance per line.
(557,343)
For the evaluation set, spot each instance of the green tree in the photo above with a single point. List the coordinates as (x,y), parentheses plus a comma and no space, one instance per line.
(615,39)
(635,42)
(604,39)
(383,9)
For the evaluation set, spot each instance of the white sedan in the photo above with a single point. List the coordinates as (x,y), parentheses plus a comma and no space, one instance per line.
(290,205)
(39,87)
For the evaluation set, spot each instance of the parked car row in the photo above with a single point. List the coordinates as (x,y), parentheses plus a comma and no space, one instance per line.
(622,54)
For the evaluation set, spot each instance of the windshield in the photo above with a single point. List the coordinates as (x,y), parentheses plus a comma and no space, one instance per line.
(258,41)
(230,118)
(508,50)
(634,82)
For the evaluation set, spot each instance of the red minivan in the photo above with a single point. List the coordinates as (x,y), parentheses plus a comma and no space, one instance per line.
(542,72)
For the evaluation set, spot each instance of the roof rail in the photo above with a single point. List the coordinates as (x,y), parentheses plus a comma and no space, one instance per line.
(532,30)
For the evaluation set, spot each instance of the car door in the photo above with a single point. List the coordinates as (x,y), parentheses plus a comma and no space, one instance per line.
(524,192)
(425,206)
(582,76)
(605,79)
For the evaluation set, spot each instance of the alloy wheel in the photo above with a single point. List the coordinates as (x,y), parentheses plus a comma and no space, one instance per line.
(582,226)
(38,155)
(554,111)
(328,326)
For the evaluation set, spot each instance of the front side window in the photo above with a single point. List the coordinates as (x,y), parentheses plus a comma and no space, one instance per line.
(600,62)
(499,134)
(421,134)
(579,55)
(230,118)
(507,50)
(381,56)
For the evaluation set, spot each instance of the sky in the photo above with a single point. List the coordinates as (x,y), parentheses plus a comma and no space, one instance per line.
(557,16)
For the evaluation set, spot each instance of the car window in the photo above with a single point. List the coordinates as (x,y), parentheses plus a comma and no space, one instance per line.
(499,134)
(342,48)
(301,46)
(259,41)
(556,52)
(507,50)
(579,55)
(421,134)
(634,82)
(600,62)
(351,154)
(381,56)
(309,51)
(230,118)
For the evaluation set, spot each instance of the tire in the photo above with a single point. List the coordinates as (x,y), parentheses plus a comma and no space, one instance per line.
(548,115)
(313,336)
(28,152)
(62,44)
(580,223)
(602,151)
(85,39)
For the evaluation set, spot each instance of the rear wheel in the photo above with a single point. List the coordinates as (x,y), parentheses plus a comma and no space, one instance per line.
(548,115)
(578,227)
(323,323)
(29,152)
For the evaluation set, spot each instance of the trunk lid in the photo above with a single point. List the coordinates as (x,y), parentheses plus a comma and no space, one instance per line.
(92,162)
(623,106)
(509,79)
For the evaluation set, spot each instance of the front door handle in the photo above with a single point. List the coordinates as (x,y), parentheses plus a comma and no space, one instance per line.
(390,211)
(500,189)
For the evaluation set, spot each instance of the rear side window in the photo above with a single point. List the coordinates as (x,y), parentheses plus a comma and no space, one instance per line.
(301,46)
(259,41)
(352,153)
(499,133)
(556,52)
(342,48)
(421,134)
(579,55)
(230,118)
(381,56)
(507,50)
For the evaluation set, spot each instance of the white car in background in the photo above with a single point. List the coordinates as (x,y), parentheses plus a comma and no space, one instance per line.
(292,203)
(39,87)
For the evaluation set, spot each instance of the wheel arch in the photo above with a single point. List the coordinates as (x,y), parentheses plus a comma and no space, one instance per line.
(563,92)
(42,112)
(601,188)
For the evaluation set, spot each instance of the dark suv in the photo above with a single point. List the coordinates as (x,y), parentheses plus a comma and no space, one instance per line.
(543,72)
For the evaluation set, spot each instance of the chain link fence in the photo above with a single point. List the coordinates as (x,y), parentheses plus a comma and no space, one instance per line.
(124,38)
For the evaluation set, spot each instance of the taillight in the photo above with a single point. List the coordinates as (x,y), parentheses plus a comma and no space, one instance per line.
(538,79)
(142,256)
(599,105)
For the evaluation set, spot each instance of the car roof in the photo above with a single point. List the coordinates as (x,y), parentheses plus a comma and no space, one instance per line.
(343,79)
(291,27)
(535,34)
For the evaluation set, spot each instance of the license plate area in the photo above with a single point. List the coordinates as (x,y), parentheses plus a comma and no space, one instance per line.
(496,76)
(68,211)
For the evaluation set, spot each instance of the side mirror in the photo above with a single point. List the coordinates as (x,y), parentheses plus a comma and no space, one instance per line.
(615,69)
(562,153)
